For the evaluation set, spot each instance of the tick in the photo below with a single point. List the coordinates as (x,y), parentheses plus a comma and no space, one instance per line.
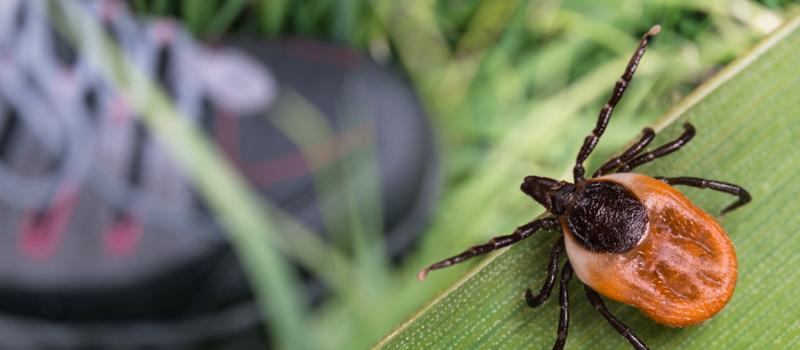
(629,237)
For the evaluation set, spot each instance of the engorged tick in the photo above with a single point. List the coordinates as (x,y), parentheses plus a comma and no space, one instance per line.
(630,237)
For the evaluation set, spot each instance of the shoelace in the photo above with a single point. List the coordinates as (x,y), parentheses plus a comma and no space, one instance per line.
(84,132)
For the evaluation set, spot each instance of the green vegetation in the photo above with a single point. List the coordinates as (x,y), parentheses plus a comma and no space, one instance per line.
(751,142)
(513,86)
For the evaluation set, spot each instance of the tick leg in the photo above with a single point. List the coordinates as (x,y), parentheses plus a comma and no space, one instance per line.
(605,113)
(613,163)
(563,301)
(744,196)
(519,234)
(552,268)
(664,150)
(626,332)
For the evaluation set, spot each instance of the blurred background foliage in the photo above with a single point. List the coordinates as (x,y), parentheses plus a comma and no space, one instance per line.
(511,87)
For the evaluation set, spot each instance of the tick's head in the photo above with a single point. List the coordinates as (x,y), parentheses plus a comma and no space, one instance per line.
(550,193)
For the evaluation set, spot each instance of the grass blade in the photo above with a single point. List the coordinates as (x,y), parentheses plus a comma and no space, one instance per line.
(748,121)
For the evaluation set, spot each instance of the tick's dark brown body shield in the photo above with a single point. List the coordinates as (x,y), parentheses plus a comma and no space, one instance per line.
(681,272)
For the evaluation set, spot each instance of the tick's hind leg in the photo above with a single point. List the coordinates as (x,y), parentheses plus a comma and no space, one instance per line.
(613,163)
(519,234)
(626,332)
(664,150)
(563,301)
(552,267)
(744,196)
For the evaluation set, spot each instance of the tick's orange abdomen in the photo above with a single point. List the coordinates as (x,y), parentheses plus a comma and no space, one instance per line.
(684,270)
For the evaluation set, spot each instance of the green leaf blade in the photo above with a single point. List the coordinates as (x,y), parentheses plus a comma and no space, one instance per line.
(748,122)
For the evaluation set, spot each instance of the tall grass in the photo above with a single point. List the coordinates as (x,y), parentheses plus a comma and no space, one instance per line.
(511,87)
